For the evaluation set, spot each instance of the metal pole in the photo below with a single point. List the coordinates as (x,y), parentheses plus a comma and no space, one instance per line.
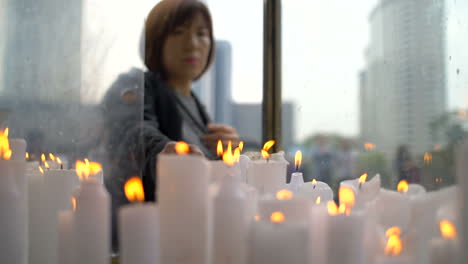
(271,114)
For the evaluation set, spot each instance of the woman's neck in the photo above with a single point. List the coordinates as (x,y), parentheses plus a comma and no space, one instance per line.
(181,87)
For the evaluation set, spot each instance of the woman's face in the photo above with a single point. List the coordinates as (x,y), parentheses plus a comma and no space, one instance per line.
(186,50)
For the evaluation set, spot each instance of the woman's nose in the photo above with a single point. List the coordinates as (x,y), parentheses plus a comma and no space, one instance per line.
(191,41)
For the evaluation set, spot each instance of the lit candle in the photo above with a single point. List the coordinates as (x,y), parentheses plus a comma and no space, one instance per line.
(314,189)
(219,169)
(13,205)
(267,175)
(183,190)
(230,218)
(36,215)
(56,188)
(393,249)
(367,191)
(278,241)
(14,248)
(445,249)
(297,179)
(346,230)
(318,232)
(138,227)
(393,208)
(92,222)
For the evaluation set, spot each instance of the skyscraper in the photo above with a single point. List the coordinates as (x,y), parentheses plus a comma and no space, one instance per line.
(404,86)
(42,53)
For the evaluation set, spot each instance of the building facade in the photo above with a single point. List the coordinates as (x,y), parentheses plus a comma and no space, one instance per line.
(403,88)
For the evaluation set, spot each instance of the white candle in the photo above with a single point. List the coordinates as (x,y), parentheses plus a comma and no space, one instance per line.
(462,172)
(219,169)
(18,148)
(268,176)
(243,164)
(66,246)
(138,227)
(297,179)
(367,191)
(318,234)
(416,190)
(36,215)
(312,190)
(92,223)
(278,242)
(445,249)
(183,202)
(346,238)
(56,189)
(230,222)
(13,226)
(393,209)
(295,209)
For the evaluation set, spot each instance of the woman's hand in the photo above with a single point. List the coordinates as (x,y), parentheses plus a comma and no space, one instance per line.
(220,132)
(170,149)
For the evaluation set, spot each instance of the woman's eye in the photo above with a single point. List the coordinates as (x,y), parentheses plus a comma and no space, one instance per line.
(203,33)
(178,31)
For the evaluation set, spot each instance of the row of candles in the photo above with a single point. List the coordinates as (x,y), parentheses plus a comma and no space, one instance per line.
(233,211)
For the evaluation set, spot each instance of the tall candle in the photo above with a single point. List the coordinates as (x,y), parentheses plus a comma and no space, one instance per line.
(243,164)
(56,189)
(66,240)
(183,202)
(36,215)
(393,209)
(367,191)
(13,230)
(230,222)
(219,169)
(276,241)
(138,227)
(92,223)
(318,233)
(392,253)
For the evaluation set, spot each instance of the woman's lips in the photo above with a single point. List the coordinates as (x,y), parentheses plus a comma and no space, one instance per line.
(191,60)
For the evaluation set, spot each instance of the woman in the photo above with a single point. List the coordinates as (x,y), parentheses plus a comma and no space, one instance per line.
(179,49)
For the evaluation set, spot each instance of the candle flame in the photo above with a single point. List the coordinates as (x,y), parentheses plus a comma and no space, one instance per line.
(318,200)
(73,201)
(403,186)
(59,161)
(346,197)
(134,190)
(369,146)
(229,157)
(219,148)
(182,148)
(265,154)
(43,158)
(51,157)
(26,155)
(257,218)
(267,146)
(363,178)
(427,158)
(298,159)
(314,181)
(277,217)
(394,245)
(332,208)
(46,165)
(241,146)
(447,229)
(86,169)
(284,195)
(5,151)
(237,153)
(41,169)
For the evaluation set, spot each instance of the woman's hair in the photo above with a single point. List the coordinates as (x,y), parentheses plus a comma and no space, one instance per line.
(163,19)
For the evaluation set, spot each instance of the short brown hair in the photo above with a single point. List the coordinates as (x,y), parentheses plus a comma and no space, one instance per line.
(162,21)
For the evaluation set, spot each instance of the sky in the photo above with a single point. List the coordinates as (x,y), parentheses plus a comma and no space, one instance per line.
(323,53)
